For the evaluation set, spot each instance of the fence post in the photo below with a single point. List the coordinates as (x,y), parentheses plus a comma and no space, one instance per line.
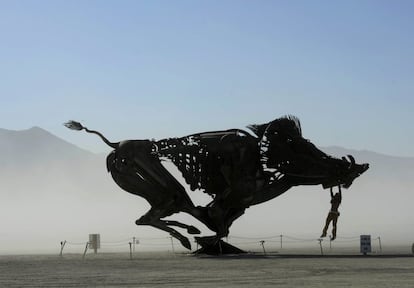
(320,244)
(262,243)
(379,242)
(86,248)
(172,245)
(62,244)
(281,241)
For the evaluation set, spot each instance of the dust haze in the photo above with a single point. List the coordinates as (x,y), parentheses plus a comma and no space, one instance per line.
(52,190)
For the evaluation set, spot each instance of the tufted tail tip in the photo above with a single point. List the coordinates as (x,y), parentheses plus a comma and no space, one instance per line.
(74,125)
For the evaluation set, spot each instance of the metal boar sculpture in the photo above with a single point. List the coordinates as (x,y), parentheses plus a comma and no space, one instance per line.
(237,169)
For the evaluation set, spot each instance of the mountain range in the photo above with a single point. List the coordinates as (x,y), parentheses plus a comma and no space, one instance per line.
(52,190)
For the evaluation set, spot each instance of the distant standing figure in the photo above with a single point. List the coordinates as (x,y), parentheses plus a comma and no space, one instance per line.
(333,213)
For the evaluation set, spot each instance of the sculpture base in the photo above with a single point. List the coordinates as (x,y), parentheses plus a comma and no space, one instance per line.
(210,247)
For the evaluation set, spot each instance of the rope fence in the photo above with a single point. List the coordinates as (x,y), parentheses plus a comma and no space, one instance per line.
(275,243)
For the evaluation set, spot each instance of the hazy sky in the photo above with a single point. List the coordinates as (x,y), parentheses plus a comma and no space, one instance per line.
(154,69)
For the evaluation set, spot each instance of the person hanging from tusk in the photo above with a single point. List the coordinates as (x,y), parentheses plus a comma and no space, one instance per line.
(333,213)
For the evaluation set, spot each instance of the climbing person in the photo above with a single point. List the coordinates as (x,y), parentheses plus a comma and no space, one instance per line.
(333,213)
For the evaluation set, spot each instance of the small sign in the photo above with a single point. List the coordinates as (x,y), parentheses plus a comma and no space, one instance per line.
(365,244)
(94,241)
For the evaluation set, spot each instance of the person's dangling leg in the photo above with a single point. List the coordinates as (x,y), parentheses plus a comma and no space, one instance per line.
(334,221)
(325,229)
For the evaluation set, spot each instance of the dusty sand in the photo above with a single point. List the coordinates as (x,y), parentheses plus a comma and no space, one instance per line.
(183,270)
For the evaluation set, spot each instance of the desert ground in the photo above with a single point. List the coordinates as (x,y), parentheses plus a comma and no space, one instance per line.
(151,269)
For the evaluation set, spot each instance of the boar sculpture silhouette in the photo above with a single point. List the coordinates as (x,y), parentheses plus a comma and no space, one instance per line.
(236,168)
